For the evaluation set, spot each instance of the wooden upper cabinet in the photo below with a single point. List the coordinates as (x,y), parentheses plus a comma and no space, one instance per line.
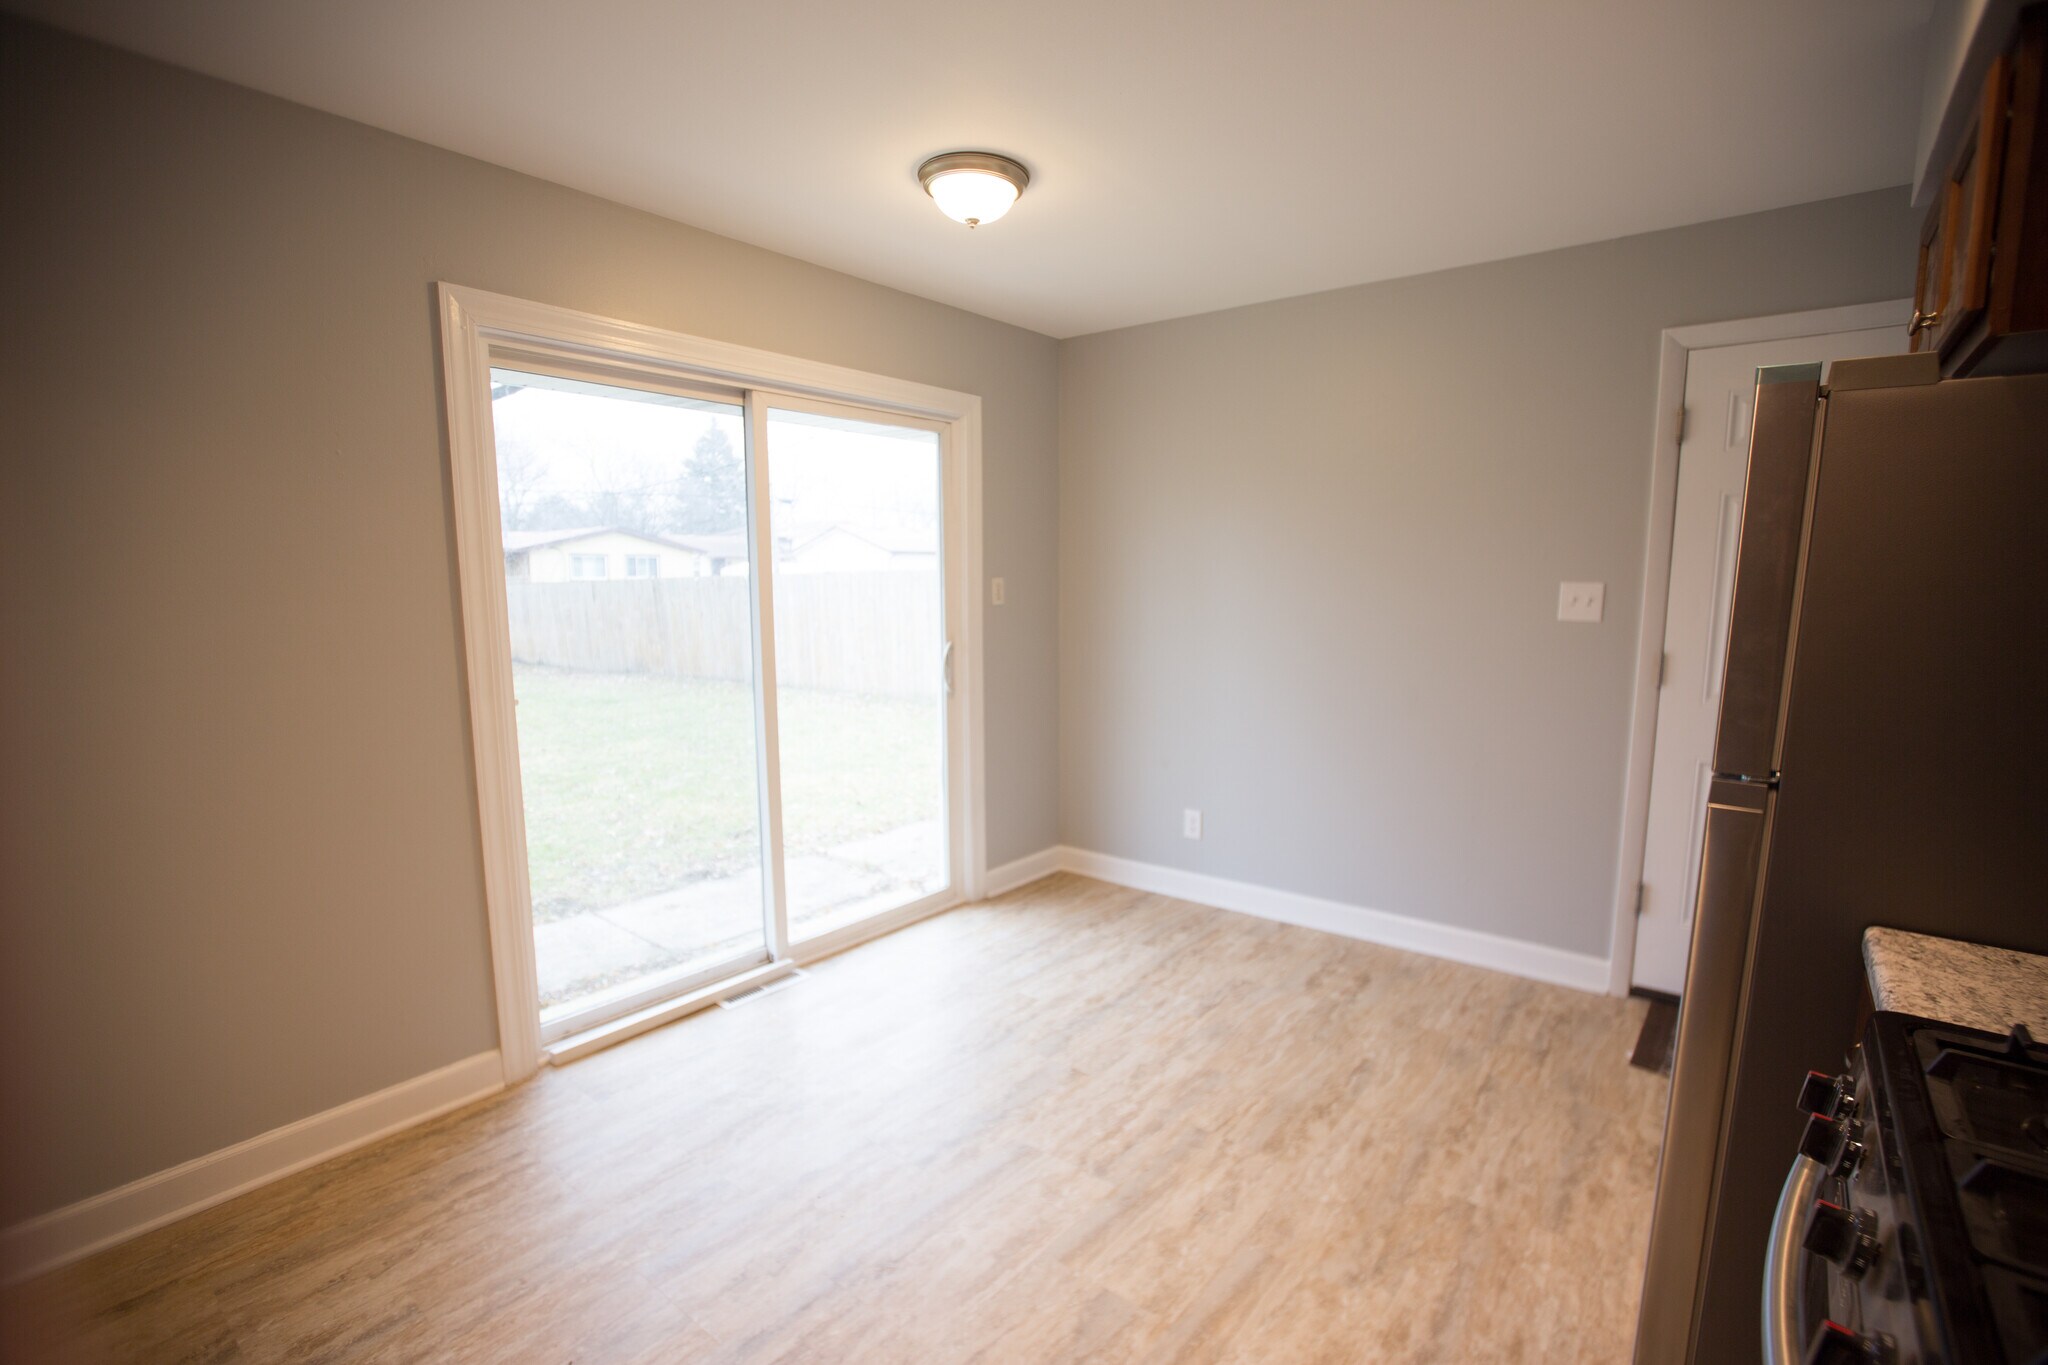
(1980,295)
(1954,278)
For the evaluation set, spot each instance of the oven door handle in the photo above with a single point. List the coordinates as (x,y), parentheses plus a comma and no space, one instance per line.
(1782,1261)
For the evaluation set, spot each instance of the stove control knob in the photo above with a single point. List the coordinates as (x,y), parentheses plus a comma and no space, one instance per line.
(1830,1231)
(1822,1094)
(1823,1140)
(1849,1239)
(1834,1344)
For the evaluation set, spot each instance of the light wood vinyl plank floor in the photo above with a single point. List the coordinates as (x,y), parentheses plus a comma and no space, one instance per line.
(1079,1123)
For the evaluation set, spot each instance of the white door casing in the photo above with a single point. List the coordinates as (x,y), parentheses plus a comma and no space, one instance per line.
(1713,460)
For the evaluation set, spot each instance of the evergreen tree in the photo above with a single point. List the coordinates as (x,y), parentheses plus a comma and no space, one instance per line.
(712,493)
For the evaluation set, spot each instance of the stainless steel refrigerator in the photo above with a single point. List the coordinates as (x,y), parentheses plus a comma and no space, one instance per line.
(1881,758)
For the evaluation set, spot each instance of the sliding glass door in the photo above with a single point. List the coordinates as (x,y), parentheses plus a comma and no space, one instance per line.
(623,513)
(861,670)
(671,748)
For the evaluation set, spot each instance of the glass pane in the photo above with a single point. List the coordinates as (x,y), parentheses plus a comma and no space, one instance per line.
(626,586)
(858,671)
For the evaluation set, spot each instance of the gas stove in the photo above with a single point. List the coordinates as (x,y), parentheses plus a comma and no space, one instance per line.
(1922,1219)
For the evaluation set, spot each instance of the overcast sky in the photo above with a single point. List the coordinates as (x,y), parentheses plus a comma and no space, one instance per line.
(582,440)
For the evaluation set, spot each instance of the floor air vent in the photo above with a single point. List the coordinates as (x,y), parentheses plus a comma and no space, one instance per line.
(780,983)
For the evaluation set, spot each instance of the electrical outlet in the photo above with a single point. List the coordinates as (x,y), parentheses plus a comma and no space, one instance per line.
(1580,601)
(1191,824)
(995,592)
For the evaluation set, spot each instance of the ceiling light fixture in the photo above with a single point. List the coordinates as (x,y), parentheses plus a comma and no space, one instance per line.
(973,187)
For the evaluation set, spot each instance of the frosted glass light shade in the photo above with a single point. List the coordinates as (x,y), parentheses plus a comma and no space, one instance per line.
(973,187)
(972,197)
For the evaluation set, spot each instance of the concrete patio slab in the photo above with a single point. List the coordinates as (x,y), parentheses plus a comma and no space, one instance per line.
(695,918)
(720,916)
(912,854)
(584,948)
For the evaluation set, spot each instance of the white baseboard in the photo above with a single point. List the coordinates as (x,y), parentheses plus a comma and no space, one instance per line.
(1515,956)
(64,1235)
(1023,871)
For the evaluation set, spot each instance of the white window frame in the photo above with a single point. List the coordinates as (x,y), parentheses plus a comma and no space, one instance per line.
(475,324)
(653,563)
(577,561)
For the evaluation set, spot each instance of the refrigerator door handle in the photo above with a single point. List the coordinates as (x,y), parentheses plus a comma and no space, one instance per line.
(1781,1264)
(1782,450)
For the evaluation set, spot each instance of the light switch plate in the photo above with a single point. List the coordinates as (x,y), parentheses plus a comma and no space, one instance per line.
(995,592)
(1580,601)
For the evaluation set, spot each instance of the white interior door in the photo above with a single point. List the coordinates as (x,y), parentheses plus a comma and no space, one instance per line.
(1713,460)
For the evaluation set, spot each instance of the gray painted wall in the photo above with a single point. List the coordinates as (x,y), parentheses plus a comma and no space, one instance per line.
(238,843)
(1309,557)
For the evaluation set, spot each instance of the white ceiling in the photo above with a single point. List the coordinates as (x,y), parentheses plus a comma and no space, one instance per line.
(1186,156)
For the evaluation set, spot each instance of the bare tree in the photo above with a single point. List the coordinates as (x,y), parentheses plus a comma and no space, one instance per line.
(519,471)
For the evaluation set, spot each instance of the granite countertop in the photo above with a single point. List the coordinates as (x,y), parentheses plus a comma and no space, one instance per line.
(1957,983)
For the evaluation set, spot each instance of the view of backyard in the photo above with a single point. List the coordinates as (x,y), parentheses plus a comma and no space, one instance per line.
(642,816)
(630,592)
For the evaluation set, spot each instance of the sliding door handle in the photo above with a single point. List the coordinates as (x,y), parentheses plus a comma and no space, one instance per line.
(946,666)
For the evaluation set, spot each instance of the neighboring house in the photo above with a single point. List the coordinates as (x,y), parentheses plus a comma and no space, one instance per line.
(606,552)
(833,548)
(600,552)
(724,552)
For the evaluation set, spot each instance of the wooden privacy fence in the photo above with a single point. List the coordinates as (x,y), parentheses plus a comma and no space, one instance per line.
(842,632)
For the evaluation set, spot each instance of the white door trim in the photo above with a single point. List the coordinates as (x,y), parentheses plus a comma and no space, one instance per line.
(472,322)
(1674,345)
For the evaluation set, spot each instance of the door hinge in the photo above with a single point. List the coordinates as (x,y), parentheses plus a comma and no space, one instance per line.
(1663,667)
(1642,893)
(1678,426)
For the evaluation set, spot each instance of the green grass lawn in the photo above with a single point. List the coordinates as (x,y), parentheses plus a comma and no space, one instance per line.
(637,784)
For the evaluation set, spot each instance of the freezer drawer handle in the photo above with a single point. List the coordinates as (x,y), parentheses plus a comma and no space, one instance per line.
(1781,1263)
